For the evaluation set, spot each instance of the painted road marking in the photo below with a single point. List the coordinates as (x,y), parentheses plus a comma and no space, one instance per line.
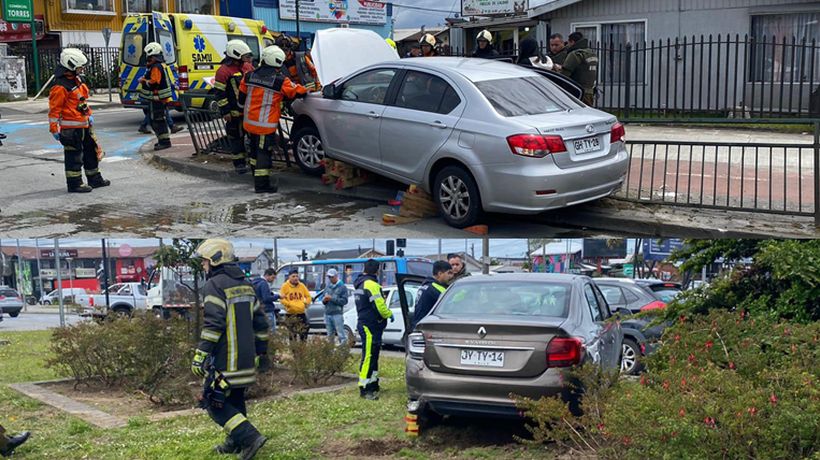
(114,159)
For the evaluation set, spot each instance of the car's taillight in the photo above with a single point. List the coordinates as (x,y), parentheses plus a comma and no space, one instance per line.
(415,344)
(656,305)
(2,297)
(617,134)
(535,146)
(91,301)
(564,352)
(183,78)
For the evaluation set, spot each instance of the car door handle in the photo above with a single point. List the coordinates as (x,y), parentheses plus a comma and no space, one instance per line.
(373,115)
(438,124)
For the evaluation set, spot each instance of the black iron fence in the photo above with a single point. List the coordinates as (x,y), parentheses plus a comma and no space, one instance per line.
(99,59)
(729,77)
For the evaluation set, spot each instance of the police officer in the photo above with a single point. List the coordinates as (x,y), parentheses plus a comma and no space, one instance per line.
(373,314)
(581,65)
(155,88)
(236,64)
(484,50)
(233,343)
(428,45)
(431,290)
(261,93)
(70,122)
(9,443)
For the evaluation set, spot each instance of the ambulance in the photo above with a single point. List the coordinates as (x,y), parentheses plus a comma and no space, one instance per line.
(193,46)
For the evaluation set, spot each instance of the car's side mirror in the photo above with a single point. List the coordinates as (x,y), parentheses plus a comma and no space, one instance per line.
(329,91)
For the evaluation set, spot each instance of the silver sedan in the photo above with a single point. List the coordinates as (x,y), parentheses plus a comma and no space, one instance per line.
(479,135)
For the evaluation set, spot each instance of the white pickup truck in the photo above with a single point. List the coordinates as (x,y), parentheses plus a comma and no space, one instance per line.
(171,291)
(123,298)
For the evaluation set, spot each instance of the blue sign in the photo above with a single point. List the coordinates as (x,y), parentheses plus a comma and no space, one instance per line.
(199,43)
(659,250)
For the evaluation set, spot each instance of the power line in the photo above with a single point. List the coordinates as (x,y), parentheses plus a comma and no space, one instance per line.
(421,8)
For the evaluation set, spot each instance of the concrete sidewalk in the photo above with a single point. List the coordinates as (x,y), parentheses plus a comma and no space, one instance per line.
(30,106)
(607,215)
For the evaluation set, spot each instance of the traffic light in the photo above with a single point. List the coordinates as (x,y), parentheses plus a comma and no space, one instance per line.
(401,242)
(304,255)
(391,247)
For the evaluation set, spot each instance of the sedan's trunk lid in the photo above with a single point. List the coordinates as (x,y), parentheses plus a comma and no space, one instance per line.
(501,347)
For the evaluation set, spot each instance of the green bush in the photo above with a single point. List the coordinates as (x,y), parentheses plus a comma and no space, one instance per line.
(316,360)
(722,386)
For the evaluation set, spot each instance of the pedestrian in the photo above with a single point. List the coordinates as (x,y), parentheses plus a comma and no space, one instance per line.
(431,290)
(528,56)
(232,69)
(558,49)
(335,300)
(146,120)
(581,65)
(71,123)
(299,66)
(233,343)
(485,50)
(261,93)
(373,314)
(9,443)
(267,298)
(427,43)
(155,88)
(459,267)
(295,297)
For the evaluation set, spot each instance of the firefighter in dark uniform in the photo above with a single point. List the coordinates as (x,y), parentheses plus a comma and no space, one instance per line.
(155,88)
(581,65)
(236,64)
(373,314)
(431,290)
(299,66)
(233,343)
(70,122)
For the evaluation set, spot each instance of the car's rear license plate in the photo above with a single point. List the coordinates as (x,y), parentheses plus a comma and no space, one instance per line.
(482,358)
(586,145)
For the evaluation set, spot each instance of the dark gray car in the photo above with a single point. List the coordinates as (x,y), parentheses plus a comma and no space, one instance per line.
(11,302)
(492,335)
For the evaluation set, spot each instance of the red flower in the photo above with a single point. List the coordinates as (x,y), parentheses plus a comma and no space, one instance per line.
(692,358)
(732,365)
(677,338)
(682,412)
(643,379)
(773,399)
(626,440)
(710,421)
(666,384)
(752,411)
(683,382)
(709,344)
(682,319)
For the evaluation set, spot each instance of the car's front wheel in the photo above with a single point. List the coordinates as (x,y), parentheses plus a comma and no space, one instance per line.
(309,151)
(456,195)
(15,314)
(630,357)
(47,302)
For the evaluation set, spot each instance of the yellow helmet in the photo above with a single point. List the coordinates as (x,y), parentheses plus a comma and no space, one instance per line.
(428,39)
(217,251)
(391,43)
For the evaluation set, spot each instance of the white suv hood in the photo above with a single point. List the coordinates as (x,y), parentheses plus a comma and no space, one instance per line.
(339,52)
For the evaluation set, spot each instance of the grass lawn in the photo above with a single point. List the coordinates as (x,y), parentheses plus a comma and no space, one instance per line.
(332,425)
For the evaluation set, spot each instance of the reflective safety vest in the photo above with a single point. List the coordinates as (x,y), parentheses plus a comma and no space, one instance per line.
(158,86)
(68,103)
(371,307)
(226,86)
(261,94)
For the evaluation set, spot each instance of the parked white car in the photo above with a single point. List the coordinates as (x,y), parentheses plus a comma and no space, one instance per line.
(124,299)
(394,333)
(53,297)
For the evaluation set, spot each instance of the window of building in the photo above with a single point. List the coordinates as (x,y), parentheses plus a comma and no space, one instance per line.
(771,60)
(610,40)
(138,6)
(195,6)
(89,6)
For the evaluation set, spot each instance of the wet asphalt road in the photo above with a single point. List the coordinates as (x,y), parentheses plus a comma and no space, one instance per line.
(145,201)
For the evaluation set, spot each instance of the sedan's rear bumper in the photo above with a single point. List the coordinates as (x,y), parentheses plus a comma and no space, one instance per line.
(11,309)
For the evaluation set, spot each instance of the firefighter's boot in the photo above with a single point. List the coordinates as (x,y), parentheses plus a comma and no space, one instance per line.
(13,443)
(250,449)
(228,447)
(262,184)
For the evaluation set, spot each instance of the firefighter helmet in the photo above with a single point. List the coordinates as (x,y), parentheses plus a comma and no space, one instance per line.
(216,251)
(485,35)
(391,43)
(428,39)
(235,49)
(153,49)
(72,59)
(273,56)
(284,42)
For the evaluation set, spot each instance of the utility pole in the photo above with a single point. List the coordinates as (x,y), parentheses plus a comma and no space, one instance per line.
(485,253)
(276,254)
(39,274)
(105,275)
(20,279)
(59,280)
(439,249)
(298,29)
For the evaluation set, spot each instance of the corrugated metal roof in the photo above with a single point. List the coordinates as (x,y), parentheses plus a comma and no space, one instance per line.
(550,6)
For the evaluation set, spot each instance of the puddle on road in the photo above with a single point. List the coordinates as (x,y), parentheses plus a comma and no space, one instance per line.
(279,210)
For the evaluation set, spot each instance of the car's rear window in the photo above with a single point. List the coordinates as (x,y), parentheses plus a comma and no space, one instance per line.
(664,292)
(507,298)
(8,293)
(515,97)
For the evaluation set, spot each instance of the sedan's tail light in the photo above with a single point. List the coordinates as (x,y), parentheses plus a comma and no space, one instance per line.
(415,344)
(617,134)
(656,305)
(564,352)
(534,146)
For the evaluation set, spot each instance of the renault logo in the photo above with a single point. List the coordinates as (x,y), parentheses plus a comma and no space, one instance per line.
(590,128)
(482,332)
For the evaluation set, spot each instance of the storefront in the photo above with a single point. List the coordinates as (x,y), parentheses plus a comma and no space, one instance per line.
(508,22)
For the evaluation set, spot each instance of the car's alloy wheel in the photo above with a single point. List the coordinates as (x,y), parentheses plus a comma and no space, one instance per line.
(455,198)
(309,150)
(456,195)
(630,357)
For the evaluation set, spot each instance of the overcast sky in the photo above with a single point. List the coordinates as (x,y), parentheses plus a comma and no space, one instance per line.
(407,19)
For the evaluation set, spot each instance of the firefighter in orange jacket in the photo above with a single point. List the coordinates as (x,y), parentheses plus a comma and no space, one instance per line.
(299,65)
(236,64)
(261,94)
(155,88)
(70,122)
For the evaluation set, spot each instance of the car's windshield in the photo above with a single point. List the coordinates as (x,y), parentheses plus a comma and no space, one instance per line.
(514,97)
(505,298)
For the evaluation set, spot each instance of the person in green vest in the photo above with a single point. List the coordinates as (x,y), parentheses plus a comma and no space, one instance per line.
(431,290)
(581,65)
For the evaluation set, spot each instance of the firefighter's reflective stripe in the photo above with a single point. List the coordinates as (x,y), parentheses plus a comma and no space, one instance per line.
(375,290)
(249,380)
(262,172)
(234,422)
(74,124)
(262,124)
(73,174)
(215,300)
(242,373)
(262,336)
(219,86)
(53,120)
(439,287)
(211,336)
(367,344)
(233,349)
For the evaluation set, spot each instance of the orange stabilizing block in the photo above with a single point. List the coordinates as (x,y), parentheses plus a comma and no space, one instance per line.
(478,229)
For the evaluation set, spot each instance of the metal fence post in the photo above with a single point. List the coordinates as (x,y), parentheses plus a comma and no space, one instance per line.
(627,80)
(817,174)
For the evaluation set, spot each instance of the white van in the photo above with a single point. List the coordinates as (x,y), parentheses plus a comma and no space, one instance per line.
(53,297)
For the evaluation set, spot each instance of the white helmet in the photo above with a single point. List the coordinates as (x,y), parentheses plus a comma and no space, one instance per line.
(72,59)
(153,49)
(236,49)
(428,39)
(485,35)
(273,56)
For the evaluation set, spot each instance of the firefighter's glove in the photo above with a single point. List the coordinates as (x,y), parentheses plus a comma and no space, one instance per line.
(198,364)
(263,363)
